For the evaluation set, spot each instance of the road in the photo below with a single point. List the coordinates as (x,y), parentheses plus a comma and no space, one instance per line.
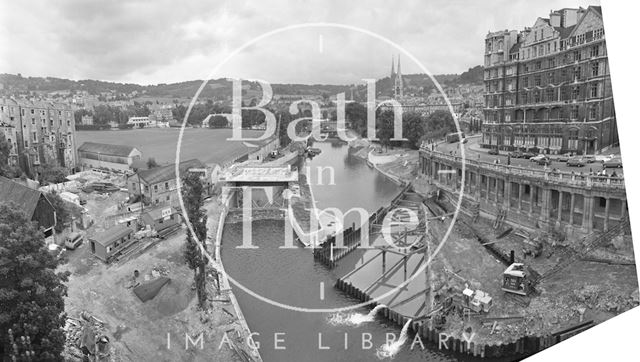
(474,152)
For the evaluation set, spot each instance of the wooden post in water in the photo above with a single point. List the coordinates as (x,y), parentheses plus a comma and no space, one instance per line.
(384,261)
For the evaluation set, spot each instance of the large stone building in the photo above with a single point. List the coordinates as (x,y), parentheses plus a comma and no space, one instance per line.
(40,132)
(574,203)
(547,88)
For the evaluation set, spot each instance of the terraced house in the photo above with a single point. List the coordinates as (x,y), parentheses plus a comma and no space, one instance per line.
(547,88)
(40,133)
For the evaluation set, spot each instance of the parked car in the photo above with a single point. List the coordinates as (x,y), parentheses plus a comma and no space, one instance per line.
(537,158)
(528,155)
(544,161)
(602,158)
(494,151)
(589,158)
(563,158)
(515,154)
(576,162)
(73,241)
(615,162)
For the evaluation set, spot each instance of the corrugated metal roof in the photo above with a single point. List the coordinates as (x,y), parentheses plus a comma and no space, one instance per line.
(106,149)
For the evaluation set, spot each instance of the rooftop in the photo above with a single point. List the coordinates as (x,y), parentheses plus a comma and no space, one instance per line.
(166,173)
(109,236)
(259,173)
(106,149)
(25,198)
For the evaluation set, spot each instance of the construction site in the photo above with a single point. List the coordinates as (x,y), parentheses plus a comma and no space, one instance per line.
(490,290)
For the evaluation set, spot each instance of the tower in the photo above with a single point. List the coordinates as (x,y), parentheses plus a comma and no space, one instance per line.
(393,70)
(397,82)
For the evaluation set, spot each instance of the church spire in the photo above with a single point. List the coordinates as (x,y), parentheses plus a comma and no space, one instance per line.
(393,69)
(398,84)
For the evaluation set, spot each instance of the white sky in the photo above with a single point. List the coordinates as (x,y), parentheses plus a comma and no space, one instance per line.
(162,41)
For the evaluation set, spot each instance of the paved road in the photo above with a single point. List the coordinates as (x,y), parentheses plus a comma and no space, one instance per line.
(474,152)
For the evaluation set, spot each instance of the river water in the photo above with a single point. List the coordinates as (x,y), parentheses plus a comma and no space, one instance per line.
(292,277)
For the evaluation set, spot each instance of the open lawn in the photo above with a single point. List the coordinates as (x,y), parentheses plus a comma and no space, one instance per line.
(207,145)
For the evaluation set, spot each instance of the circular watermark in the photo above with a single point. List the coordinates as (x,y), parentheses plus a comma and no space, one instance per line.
(217,264)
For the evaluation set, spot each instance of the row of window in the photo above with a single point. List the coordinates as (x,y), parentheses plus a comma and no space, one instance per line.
(573,114)
(548,95)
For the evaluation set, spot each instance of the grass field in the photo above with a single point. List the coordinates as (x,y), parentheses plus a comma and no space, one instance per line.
(207,145)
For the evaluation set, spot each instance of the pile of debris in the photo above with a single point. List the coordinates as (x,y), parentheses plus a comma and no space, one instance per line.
(86,339)
(601,298)
(159,270)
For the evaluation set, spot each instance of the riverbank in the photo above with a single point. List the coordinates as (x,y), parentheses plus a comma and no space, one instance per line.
(217,212)
(566,303)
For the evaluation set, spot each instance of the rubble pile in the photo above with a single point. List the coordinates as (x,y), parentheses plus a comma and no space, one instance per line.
(601,298)
(86,338)
(159,270)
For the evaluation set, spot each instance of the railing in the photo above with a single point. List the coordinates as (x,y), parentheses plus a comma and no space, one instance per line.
(546,175)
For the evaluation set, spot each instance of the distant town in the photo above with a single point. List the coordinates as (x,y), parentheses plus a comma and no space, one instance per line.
(495,227)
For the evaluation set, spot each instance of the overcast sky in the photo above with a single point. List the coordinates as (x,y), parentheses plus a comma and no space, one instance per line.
(162,41)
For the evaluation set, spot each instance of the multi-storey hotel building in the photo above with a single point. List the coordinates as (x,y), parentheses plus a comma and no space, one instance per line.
(547,88)
(39,133)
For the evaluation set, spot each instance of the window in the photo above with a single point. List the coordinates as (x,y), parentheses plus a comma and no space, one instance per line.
(155,187)
(536,80)
(525,82)
(574,112)
(552,62)
(35,136)
(33,121)
(575,93)
(595,51)
(595,67)
(33,111)
(168,197)
(538,65)
(550,94)
(577,56)
(68,123)
(593,111)
(536,96)
(577,73)
(26,143)
(594,90)
(166,185)
(551,77)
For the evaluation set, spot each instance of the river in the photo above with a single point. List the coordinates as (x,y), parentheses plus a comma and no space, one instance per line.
(292,277)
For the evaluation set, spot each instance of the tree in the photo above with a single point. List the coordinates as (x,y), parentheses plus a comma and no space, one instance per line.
(52,175)
(441,122)
(413,129)
(192,194)
(384,126)
(218,122)
(356,116)
(31,292)
(151,163)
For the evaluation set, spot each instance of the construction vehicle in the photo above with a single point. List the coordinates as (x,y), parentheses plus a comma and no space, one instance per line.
(515,280)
